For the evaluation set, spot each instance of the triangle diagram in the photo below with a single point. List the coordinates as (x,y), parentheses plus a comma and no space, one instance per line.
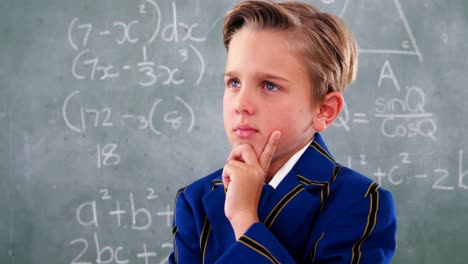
(380,27)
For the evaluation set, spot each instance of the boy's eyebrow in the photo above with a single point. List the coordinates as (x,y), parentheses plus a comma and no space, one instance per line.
(229,73)
(263,75)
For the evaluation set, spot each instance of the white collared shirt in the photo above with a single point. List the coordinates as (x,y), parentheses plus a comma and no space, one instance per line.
(284,170)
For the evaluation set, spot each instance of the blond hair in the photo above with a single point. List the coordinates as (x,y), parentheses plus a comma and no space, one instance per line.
(321,39)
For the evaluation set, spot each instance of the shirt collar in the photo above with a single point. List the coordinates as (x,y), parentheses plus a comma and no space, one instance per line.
(284,170)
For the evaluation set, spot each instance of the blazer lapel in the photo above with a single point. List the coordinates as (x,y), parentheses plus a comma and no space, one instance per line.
(300,197)
(214,207)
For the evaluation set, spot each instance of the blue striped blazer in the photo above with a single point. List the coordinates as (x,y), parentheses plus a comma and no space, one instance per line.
(321,212)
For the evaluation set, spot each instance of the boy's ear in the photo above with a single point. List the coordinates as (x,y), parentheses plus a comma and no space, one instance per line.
(328,110)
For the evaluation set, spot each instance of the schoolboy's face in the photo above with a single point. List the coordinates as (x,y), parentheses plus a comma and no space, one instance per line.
(267,89)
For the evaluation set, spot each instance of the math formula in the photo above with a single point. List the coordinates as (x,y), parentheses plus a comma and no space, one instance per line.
(131,216)
(89,65)
(401,172)
(403,114)
(92,117)
(161,51)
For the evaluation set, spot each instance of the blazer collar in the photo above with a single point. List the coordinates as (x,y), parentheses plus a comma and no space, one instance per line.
(316,164)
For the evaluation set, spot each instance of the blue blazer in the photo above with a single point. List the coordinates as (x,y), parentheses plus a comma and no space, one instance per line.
(321,212)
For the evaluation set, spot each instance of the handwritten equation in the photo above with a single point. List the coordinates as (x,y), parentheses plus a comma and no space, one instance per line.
(440,178)
(87,65)
(401,115)
(126,216)
(103,117)
(82,118)
(166,55)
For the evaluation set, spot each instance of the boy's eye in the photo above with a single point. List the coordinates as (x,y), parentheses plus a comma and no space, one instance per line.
(233,83)
(270,86)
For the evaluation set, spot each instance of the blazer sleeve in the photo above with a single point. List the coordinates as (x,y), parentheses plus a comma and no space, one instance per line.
(257,245)
(186,247)
(360,231)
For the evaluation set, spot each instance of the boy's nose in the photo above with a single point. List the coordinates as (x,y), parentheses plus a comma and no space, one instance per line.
(244,102)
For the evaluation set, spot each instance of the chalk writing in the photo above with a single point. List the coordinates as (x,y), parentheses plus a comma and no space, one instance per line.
(103,117)
(401,115)
(438,177)
(181,64)
(130,215)
(88,65)
(106,155)
(106,253)
(168,214)
(408,47)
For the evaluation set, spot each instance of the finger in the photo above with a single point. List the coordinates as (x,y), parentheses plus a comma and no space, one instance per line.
(226,176)
(244,153)
(231,157)
(229,171)
(269,150)
(234,155)
(240,165)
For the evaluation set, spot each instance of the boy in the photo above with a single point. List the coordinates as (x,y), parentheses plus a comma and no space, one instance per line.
(281,197)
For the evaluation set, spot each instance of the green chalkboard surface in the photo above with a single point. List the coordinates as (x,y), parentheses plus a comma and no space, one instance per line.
(107,107)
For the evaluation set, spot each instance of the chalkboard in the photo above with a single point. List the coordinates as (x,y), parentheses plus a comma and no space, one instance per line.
(107,107)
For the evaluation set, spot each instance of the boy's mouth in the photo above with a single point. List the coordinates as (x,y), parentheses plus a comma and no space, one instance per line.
(245,131)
